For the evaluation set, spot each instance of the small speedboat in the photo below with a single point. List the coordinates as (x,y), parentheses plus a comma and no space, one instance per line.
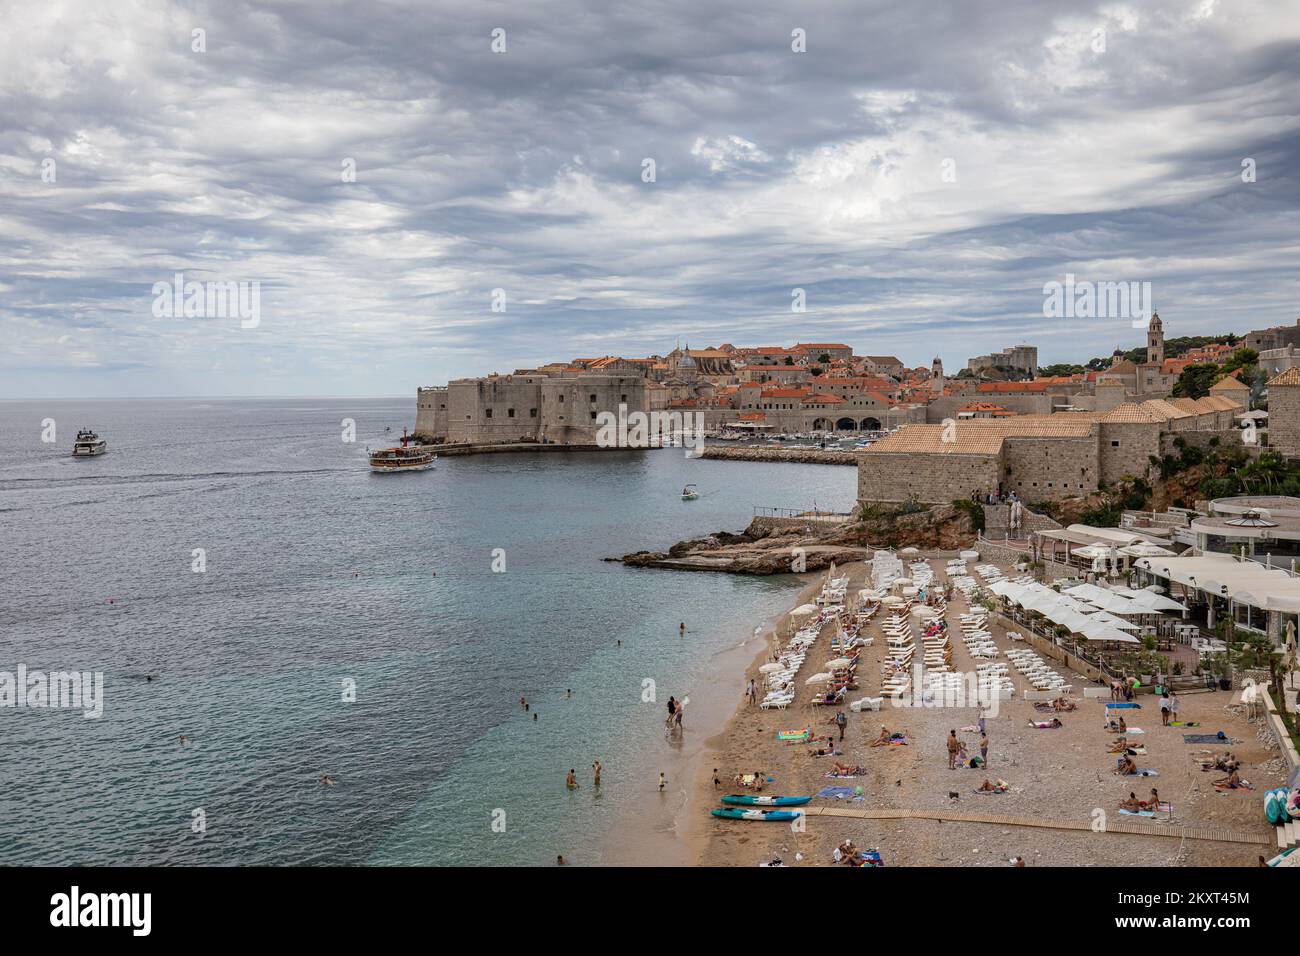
(88,444)
(689,493)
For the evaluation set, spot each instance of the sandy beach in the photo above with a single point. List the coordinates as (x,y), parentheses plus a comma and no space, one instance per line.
(1058,778)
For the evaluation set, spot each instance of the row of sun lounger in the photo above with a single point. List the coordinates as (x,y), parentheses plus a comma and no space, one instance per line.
(1036,671)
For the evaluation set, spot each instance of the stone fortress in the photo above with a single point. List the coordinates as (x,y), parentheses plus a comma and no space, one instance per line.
(1045,438)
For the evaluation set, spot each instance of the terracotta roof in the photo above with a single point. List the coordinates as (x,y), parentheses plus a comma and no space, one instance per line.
(1290,377)
(980,436)
(1166,409)
(882,359)
(1132,413)
(823,398)
(821,345)
(1229,384)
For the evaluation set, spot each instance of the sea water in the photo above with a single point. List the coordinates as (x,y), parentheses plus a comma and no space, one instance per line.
(301,617)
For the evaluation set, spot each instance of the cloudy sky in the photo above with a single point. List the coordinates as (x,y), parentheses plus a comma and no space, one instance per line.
(920,171)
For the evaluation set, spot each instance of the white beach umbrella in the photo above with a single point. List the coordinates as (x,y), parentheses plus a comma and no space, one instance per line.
(1106,617)
(891,600)
(771,668)
(838,663)
(819,679)
(803,610)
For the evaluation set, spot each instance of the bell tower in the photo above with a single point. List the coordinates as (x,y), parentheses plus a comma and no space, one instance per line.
(1155,340)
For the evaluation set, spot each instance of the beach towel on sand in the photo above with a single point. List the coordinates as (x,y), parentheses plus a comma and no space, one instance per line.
(1218,738)
(1042,724)
(1184,723)
(794,736)
(1114,706)
(1137,813)
(835,793)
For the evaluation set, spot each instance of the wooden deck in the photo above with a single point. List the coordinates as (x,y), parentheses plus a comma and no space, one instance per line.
(1115,823)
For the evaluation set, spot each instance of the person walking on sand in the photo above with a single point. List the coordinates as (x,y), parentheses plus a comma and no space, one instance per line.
(662,782)
(752,691)
(1173,708)
(984,748)
(679,714)
(672,710)
(1164,710)
(954,746)
(840,721)
(595,771)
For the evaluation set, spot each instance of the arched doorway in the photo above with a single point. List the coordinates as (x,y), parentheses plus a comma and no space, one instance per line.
(846,425)
(871,424)
(822,425)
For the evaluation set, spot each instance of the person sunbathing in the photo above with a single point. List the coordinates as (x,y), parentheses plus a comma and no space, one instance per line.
(1132,804)
(1119,745)
(883,739)
(987,786)
(1126,767)
(1063,705)
(842,770)
(1231,782)
(827,751)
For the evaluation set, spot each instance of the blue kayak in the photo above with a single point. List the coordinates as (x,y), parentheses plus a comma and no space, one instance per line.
(754,800)
(735,813)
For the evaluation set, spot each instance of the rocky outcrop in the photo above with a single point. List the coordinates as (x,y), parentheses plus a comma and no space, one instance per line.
(763,549)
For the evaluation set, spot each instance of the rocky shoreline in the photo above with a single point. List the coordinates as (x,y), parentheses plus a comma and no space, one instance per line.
(763,548)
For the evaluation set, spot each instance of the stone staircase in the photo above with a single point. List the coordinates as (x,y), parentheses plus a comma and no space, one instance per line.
(997,519)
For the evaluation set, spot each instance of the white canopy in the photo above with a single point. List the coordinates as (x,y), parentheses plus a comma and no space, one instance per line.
(822,678)
(1102,631)
(1245,582)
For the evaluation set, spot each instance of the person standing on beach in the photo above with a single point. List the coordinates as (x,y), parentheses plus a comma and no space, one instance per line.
(672,710)
(840,721)
(984,748)
(1173,707)
(752,691)
(1164,710)
(954,745)
(662,781)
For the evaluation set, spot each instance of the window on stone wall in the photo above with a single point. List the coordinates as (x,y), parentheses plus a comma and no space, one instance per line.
(1114,444)
(593,416)
(593,398)
(532,413)
(510,413)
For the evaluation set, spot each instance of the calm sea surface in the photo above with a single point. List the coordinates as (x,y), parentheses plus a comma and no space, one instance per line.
(319,573)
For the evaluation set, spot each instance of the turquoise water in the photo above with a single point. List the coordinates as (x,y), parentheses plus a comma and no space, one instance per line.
(317,573)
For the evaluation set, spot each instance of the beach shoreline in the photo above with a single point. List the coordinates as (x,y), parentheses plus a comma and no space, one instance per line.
(693,822)
(917,812)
